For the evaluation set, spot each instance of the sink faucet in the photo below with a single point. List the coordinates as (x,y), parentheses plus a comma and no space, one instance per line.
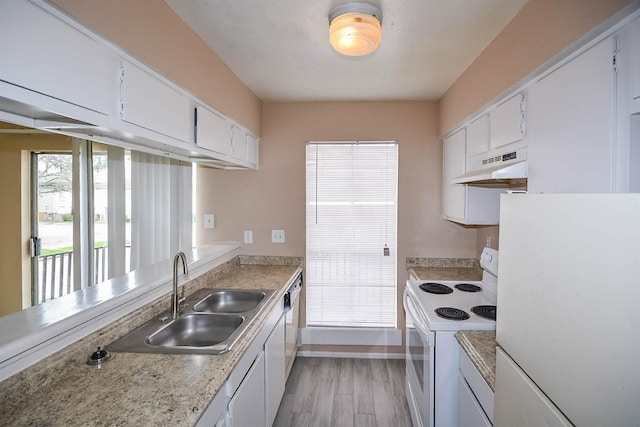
(175,299)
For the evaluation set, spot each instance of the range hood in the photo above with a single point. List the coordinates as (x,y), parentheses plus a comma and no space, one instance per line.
(514,171)
(498,167)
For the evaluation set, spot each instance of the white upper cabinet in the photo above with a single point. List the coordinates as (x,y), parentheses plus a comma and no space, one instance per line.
(627,153)
(252,150)
(571,126)
(463,203)
(52,63)
(218,134)
(152,104)
(634,53)
(478,136)
(238,143)
(453,195)
(508,121)
(213,131)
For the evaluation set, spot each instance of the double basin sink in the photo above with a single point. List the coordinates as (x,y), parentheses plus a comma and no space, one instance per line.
(210,322)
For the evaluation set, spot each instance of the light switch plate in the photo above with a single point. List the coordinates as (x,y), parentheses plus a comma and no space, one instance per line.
(248,236)
(277,236)
(208,220)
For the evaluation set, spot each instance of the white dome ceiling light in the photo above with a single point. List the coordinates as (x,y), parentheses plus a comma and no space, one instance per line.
(355,29)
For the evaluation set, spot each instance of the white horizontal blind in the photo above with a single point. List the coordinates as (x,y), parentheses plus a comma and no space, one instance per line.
(351,216)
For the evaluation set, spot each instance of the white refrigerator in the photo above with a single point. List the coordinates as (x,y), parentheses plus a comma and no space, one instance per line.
(568,324)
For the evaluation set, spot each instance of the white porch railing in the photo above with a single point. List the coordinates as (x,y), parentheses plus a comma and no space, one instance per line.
(55,273)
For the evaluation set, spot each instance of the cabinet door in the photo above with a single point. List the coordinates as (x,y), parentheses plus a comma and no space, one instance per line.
(213,131)
(252,149)
(470,413)
(45,55)
(635,58)
(507,122)
(247,406)
(238,143)
(571,126)
(152,104)
(216,413)
(478,136)
(222,421)
(454,157)
(274,376)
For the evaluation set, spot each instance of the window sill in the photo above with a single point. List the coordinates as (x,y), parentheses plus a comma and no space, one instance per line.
(32,334)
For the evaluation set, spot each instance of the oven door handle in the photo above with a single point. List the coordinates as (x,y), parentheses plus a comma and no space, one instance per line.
(418,317)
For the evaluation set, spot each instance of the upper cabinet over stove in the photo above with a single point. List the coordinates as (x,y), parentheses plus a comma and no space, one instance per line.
(573,128)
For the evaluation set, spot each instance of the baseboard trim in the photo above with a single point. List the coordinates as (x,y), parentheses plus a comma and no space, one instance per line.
(351,355)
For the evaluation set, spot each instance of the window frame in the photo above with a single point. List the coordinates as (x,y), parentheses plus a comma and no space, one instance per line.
(390,320)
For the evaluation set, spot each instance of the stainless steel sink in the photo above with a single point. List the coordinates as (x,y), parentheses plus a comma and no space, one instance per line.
(230,301)
(196,330)
(210,322)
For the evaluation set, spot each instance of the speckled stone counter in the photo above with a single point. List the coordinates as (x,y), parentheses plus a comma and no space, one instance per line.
(444,269)
(480,346)
(132,388)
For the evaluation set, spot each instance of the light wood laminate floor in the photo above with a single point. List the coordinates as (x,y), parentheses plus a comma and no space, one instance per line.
(345,392)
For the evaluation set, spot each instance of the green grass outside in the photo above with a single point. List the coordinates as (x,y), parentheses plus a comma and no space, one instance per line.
(45,252)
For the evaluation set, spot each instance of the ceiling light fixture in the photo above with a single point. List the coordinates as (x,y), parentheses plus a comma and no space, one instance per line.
(355,29)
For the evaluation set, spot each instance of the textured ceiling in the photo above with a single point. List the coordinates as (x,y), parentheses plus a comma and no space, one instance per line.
(280,48)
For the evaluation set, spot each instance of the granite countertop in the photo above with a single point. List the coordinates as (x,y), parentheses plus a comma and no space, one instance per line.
(135,388)
(444,269)
(480,346)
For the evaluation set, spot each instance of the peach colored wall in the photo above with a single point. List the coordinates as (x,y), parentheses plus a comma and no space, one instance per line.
(150,31)
(14,245)
(274,196)
(538,32)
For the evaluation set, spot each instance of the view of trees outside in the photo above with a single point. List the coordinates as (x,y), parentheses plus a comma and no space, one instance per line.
(55,201)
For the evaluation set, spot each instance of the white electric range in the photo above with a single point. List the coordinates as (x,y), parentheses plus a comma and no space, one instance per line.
(435,311)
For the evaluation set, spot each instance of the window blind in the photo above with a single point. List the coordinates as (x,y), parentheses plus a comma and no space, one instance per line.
(351,216)
(161,217)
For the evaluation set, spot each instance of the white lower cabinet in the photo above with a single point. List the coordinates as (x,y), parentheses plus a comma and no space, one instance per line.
(251,395)
(475,397)
(223,421)
(216,413)
(247,406)
(470,413)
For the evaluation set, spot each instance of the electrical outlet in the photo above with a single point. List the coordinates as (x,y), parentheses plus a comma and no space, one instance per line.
(277,236)
(488,241)
(248,236)
(208,220)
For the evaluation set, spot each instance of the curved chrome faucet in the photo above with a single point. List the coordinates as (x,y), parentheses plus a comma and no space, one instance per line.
(175,299)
